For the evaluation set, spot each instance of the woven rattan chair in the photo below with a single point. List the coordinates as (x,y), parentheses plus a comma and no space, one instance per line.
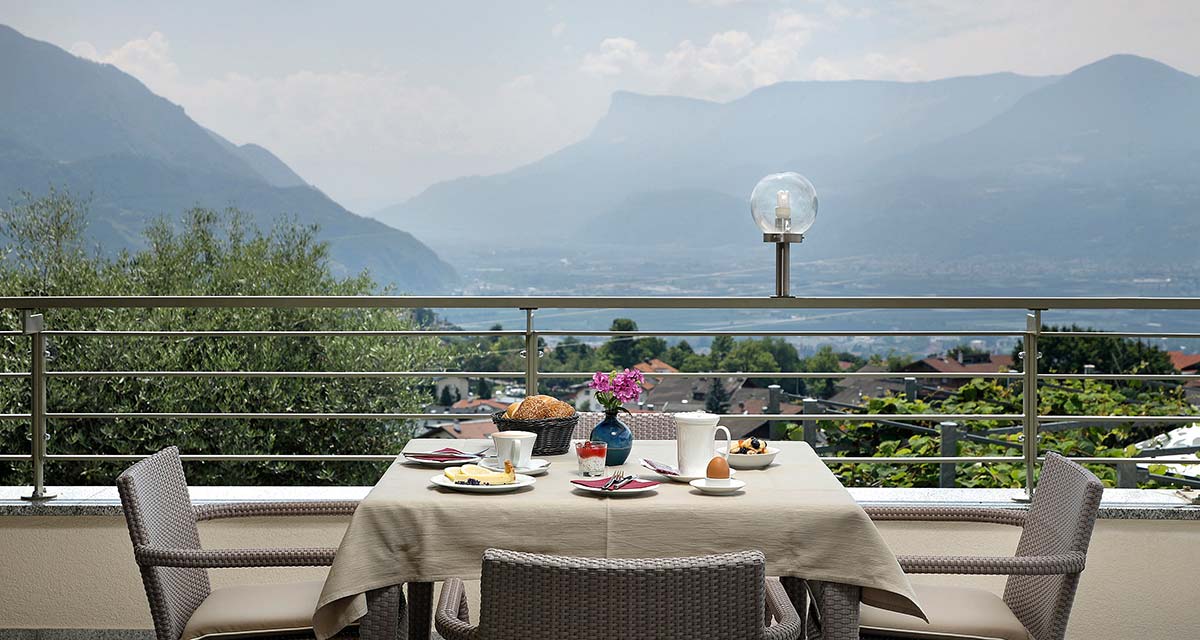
(1043,575)
(645,426)
(538,597)
(183,605)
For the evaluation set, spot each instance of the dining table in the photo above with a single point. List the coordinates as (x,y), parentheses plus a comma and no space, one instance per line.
(408,531)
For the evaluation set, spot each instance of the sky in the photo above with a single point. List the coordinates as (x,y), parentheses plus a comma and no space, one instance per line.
(374,101)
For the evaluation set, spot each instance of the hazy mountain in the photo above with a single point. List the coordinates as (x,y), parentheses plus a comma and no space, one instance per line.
(1100,160)
(266,164)
(93,129)
(656,143)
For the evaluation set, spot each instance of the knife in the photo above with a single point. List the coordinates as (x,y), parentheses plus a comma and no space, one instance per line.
(624,481)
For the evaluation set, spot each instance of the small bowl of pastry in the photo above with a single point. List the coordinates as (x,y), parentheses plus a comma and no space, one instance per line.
(751,453)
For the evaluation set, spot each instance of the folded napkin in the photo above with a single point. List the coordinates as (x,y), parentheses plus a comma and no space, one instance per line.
(659,467)
(442,455)
(599,482)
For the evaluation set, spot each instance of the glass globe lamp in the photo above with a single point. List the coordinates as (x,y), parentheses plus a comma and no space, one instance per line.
(784,203)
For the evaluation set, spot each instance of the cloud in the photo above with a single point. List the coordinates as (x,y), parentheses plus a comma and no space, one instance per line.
(727,65)
(616,55)
(368,138)
(148,59)
(557,30)
(872,66)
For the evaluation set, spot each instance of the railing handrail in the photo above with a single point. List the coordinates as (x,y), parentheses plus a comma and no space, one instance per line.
(1029,420)
(603,302)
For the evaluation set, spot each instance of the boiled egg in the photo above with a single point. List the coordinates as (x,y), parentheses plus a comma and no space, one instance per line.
(718,469)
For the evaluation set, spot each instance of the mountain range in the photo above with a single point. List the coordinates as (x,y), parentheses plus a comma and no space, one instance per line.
(97,131)
(1100,161)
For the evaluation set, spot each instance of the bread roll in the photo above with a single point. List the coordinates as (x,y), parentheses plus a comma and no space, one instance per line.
(534,408)
(512,409)
(539,408)
(560,409)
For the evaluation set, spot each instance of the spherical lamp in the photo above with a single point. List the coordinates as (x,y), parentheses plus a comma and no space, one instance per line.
(784,206)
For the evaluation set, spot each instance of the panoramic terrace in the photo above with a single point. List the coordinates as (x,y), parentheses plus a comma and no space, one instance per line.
(1143,537)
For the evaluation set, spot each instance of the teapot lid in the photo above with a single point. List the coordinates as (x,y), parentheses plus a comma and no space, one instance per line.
(697,417)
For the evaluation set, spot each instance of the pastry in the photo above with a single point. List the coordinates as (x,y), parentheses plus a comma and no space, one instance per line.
(475,474)
(750,446)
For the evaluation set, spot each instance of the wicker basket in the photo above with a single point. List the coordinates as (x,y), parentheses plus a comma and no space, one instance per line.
(553,434)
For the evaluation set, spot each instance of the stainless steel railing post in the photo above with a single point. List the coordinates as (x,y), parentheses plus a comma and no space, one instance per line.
(812,406)
(947,471)
(774,401)
(32,324)
(1029,430)
(531,354)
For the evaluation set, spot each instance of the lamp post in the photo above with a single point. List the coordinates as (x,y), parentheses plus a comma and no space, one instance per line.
(784,206)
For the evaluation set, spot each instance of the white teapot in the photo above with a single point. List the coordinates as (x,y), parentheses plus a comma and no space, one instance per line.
(695,433)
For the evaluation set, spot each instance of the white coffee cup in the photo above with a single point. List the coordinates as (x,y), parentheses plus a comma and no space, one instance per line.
(515,446)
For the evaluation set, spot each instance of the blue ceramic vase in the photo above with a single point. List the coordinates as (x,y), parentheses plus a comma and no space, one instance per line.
(617,436)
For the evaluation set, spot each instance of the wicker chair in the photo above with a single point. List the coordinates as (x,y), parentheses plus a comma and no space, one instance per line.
(183,605)
(1043,575)
(645,426)
(538,597)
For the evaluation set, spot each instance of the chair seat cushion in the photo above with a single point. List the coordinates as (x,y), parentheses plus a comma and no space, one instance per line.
(954,613)
(256,609)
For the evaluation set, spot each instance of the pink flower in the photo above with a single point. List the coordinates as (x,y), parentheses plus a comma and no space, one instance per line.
(615,389)
(601,382)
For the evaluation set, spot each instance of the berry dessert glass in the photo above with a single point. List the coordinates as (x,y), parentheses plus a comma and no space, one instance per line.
(591,458)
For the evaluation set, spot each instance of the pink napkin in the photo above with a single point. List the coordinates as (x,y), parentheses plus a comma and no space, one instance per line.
(448,455)
(659,467)
(599,482)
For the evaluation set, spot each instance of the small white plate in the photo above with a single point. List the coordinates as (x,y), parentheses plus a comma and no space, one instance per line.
(457,462)
(618,492)
(522,481)
(705,485)
(536,466)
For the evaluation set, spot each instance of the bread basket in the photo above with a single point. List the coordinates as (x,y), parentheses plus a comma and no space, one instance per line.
(553,434)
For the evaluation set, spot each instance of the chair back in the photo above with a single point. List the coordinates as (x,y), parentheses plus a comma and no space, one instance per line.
(539,597)
(645,426)
(1060,520)
(158,512)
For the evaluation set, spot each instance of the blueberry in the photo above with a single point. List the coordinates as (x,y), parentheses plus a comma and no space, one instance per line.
(754,443)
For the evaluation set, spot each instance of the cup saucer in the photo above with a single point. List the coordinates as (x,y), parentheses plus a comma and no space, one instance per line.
(718,487)
(536,467)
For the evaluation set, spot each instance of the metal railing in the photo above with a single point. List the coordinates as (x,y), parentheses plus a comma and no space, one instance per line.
(1029,420)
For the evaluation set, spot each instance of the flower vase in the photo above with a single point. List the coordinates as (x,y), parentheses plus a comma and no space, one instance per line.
(618,437)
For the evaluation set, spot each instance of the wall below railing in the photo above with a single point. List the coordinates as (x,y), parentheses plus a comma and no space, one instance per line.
(77,571)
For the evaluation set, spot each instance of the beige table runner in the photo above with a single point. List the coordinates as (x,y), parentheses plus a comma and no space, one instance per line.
(796,512)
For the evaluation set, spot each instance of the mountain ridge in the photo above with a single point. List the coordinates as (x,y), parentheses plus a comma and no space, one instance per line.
(92,129)
(946,167)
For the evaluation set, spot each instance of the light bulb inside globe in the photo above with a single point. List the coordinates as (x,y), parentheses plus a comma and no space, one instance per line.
(784,203)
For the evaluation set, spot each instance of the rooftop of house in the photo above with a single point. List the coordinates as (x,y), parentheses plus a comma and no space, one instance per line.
(654,365)
(1185,362)
(987,363)
(463,429)
(470,404)
(685,394)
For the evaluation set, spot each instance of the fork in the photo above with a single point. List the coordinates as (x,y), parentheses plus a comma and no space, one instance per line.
(613,480)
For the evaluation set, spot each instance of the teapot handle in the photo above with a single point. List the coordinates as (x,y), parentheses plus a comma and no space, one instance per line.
(728,441)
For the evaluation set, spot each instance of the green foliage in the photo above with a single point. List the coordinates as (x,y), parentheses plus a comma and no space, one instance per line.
(823,360)
(1110,354)
(676,354)
(988,396)
(717,399)
(212,254)
(893,361)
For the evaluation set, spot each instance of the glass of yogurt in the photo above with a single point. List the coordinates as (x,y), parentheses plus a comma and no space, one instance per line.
(591,457)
